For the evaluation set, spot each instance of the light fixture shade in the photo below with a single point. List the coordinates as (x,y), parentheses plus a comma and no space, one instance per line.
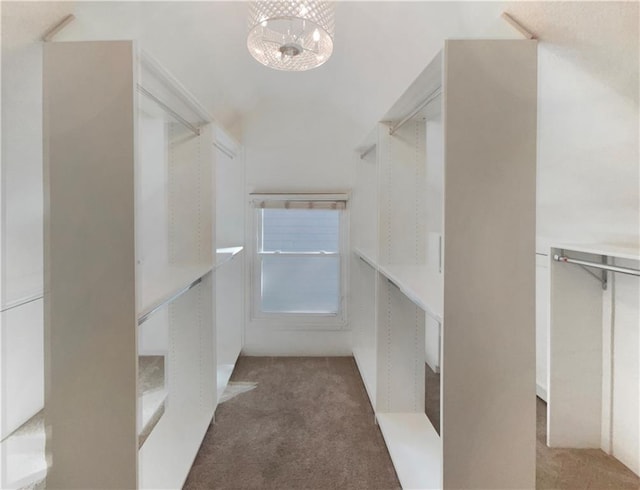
(293,36)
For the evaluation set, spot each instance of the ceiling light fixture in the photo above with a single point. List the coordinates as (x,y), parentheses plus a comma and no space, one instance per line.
(292,36)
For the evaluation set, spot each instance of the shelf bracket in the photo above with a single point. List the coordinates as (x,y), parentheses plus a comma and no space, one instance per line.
(601,278)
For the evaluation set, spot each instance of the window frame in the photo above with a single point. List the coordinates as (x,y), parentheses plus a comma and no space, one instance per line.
(298,320)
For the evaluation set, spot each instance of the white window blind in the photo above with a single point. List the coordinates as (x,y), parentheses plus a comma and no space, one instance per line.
(299,264)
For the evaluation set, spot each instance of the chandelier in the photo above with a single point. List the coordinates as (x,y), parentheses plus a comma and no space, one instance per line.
(293,36)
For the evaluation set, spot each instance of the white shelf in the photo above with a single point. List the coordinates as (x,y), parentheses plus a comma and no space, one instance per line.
(620,250)
(412,280)
(224,255)
(415,449)
(366,362)
(152,393)
(24,450)
(158,288)
(224,375)
(369,256)
(24,461)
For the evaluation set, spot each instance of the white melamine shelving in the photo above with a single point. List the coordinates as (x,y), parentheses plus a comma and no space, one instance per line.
(224,374)
(594,347)
(230,256)
(157,289)
(130,249)
(413,281)
(443,231)
(415,449)
(225,255)
(25,464)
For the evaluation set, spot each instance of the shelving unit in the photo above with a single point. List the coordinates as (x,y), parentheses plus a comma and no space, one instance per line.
(129,241)
(594,345)
(230,202)
(444,229)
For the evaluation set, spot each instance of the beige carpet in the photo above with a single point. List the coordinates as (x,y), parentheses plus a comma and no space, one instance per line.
(307,425)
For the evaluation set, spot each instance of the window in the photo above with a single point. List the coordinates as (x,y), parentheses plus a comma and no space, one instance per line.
(298,266)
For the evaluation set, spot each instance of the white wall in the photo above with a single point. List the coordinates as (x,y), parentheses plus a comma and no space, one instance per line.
(297,146)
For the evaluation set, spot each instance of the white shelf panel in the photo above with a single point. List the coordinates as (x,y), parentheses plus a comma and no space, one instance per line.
(152,393)
(224,375)
(413,281)
(620,250)
(369,256)
(24,462)
(158,288)
(415,449)
(366,362)
(24,450)
(224,255)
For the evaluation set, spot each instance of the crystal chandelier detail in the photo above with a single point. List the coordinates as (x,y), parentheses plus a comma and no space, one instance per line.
(292,36)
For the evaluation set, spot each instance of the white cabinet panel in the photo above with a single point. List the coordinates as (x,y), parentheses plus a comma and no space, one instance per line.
(22,365)
(542,324)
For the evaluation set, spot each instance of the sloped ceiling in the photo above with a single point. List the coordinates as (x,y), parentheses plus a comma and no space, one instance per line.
(380,47)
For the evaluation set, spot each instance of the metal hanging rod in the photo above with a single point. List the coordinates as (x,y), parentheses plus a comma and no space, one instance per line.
(51,33)
(367,151)
(224,149)
(174,114)
(143,318)
(518,26)
(22,302)
(596,265)
(430,98)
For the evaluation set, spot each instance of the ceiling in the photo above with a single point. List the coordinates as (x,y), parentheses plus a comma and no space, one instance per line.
(380,47)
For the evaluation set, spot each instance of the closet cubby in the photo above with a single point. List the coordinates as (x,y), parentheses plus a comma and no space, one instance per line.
(130,362)
(593,368)
(443,233)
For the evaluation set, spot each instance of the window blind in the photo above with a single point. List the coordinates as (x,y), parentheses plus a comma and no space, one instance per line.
(296,204)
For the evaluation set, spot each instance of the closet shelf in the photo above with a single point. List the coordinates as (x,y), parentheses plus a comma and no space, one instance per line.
(415,449)
(152,393)
(158,289)
(224,255)
(617,250)
(26,464)
(366,362)
(412,280)
(223,375)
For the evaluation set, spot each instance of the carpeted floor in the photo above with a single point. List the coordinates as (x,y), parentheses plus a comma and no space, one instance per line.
(561,469)
(307,425)
(580,469)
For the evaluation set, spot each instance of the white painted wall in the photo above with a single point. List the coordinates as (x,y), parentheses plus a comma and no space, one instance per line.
(296,146)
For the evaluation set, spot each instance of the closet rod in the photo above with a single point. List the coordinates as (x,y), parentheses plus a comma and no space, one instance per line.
(432,96)
(22,302)
(596,265)
(174,114)
(224,150)
(367,151)
(143,318)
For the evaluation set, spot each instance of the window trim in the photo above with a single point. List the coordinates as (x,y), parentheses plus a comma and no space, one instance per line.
(295,320)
